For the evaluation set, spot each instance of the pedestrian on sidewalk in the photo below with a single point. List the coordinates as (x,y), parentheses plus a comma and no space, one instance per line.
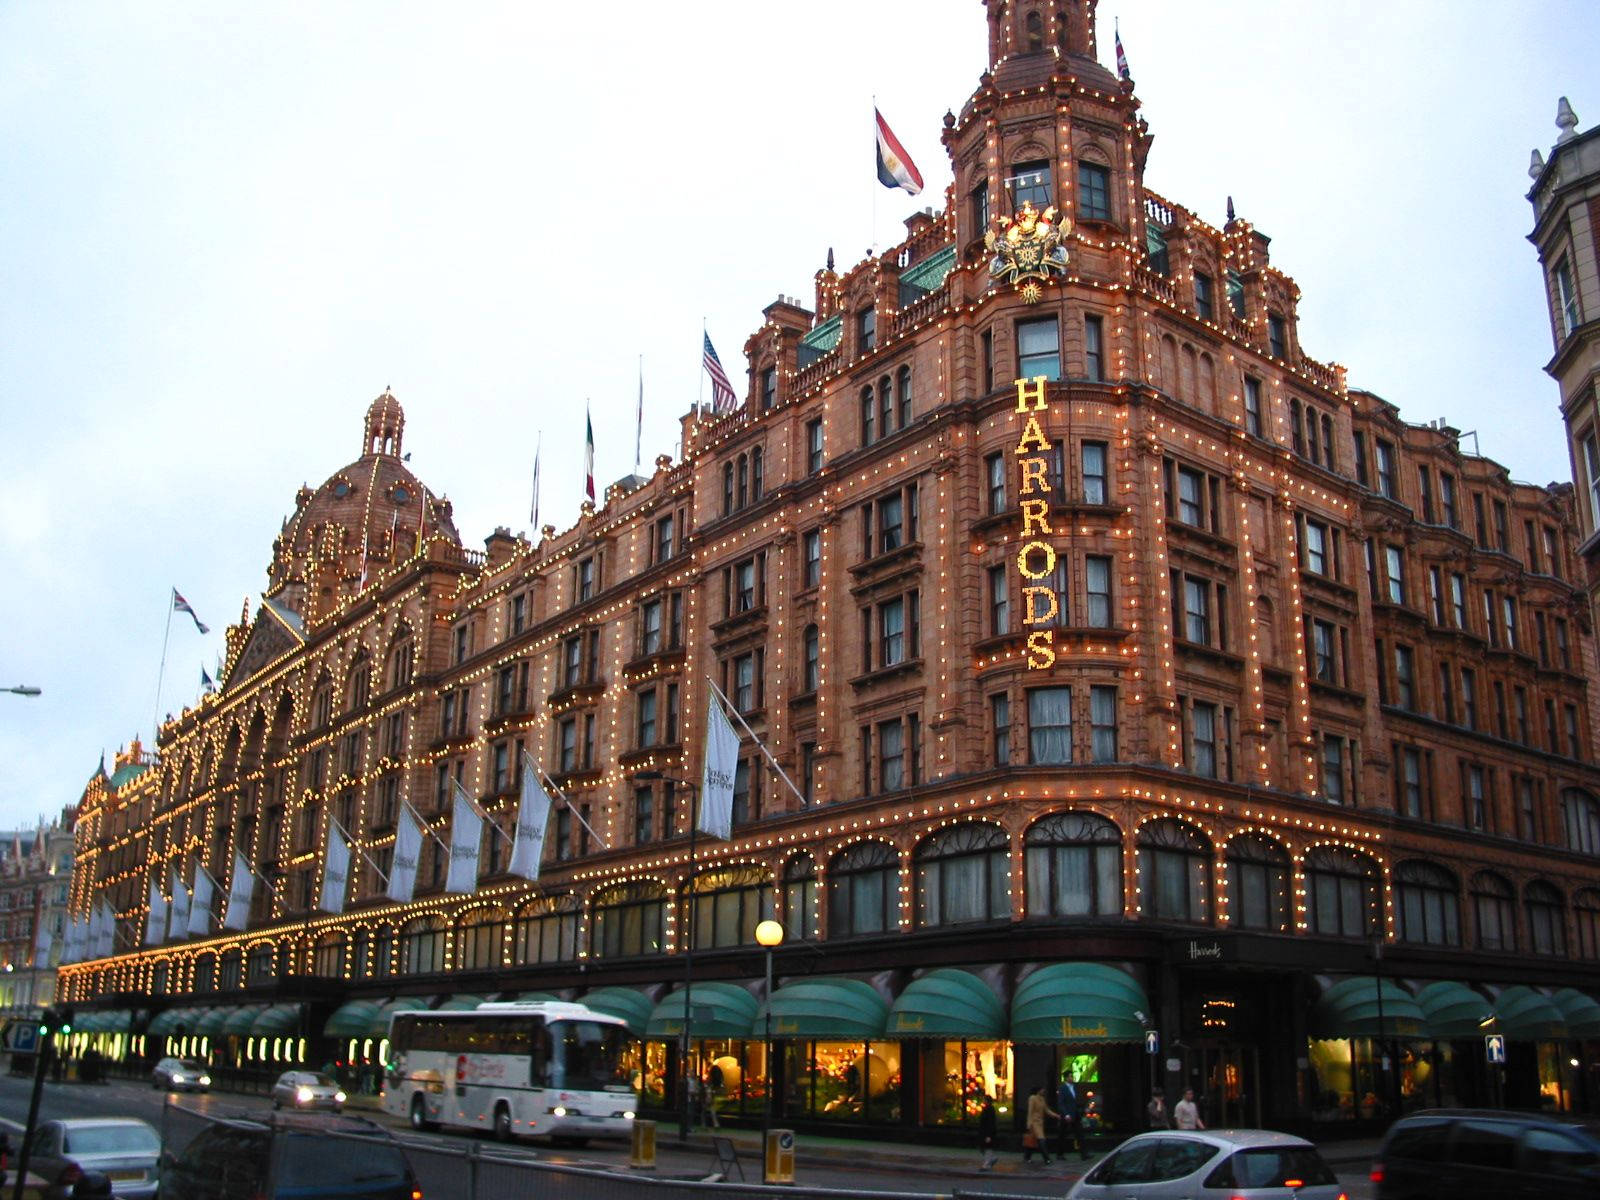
(1034,1137)
(988,1129)
(1156,1115)
(1071,1109)
(708,1093)
(1185,1114)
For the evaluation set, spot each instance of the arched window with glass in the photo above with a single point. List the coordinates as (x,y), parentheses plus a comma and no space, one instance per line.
(1342,893)
(480,936)
(962,875)
(629,919)
(229,969)
(1174,872)
(1494,911)
(205,973)
(863,890)
(383,951)
(545,930)
(1258,883)
(1073,864)
(800,898)
(422,946)
(1581,813)
(1547,918)
(328,956)
(729,902)
(259,963)
(1428,904)
(1585,921)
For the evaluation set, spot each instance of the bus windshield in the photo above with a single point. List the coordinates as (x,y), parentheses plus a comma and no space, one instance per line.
(588,1056)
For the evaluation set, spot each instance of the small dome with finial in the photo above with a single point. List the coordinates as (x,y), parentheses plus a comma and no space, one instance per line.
(386,421)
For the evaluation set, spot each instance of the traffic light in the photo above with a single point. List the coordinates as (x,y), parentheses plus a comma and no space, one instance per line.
(56,1020)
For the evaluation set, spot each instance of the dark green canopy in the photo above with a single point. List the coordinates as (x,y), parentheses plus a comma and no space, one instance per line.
(352,1020)
(210,1022)
(1581,1012)
(827,1008)
(947,1003)
(239,1020)
(632,1006)
(378,1027)
(1351,1009)
(277,1021)
(464,1002)
(1079,1002)
(1528,1016)
(721,1010)
(1453,1010)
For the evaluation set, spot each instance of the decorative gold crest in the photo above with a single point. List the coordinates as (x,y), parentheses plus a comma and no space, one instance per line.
(1028,249)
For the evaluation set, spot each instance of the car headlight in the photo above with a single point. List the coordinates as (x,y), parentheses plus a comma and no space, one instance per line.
(559,1110)
(177,1079)
(628,1116)
(338,1097)
(205,1081)
(302,1095)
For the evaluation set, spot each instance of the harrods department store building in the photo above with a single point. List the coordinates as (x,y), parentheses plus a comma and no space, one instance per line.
(1176,689)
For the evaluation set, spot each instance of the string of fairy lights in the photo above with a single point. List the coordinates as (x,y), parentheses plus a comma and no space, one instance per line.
(441,587)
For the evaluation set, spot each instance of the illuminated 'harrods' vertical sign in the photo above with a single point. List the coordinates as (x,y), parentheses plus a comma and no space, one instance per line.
(1036,561)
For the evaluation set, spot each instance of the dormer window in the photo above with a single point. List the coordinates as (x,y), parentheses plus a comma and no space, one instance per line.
(1094,192)
(867,329)
(1204,307)
(1030,184)
(769,387)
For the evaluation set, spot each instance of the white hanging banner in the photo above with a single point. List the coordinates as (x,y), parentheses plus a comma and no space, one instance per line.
(466,837)
(205,890)
(41,945)
(716,785)
(240,888)
(407,853)
(335,873)
(178,914)
(533,818)
(155,926)
(105,938)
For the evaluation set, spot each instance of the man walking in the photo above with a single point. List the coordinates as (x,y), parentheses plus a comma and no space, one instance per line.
(1185,1114)
(1071,1110)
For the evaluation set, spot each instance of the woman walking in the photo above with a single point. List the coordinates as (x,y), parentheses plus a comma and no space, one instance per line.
(1033,1139)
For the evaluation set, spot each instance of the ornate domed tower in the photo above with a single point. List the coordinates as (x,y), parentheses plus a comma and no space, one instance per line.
(363,517)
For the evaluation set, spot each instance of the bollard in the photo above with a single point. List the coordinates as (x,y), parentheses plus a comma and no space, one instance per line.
(777,1165)
(644,1145)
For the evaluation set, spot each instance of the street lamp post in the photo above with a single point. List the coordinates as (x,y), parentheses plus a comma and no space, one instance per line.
(685,1115)
(22,689)
(769,934)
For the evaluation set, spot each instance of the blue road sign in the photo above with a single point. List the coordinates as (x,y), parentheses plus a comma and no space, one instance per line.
(1494,1047)
(22,1037)
(1152,1042)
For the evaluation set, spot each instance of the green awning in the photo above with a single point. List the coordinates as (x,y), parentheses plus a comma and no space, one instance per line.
(278,1020)
(352,1019)
(239,1020)
(1350,1008)
(1453,1010)
(721,1010)
(1581,1012)
(947,1003)
(1527,1016)
(378,1027)
(118,1020)
(535,998)
(1080,1002)
(632,1006)
(465,1002)
(89,1023)
(827,1008)
(210,1022)
(167,1022)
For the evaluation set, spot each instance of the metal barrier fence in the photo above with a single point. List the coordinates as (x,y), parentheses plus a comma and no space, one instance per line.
(475,1170)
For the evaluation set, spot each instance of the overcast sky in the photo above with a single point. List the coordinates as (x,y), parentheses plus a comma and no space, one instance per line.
(226,227)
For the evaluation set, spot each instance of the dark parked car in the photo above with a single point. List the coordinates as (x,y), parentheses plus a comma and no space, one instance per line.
(122,1148)
(348,1158)
(1467,1154)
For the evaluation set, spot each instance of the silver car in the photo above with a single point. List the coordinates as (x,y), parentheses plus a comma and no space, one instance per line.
(180,1075)
(307,1089)
(1222,1163)
(123,1148)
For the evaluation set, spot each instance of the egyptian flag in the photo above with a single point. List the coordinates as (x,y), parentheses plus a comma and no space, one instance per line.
(179,604)
(588,454)
(895,168)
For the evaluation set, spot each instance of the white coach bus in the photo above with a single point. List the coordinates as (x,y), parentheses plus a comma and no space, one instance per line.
(520,1068)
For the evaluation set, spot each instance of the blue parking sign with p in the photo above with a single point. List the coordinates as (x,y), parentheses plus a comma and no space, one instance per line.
(1494,1047)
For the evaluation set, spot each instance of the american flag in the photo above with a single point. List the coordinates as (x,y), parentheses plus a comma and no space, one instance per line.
(723,397)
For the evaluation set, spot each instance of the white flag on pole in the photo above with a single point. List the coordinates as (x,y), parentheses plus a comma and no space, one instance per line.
(240,888)
(533,818)
(716,785)
(407,853)
(69,940)
(105,937)
(41,945)
(335,873)
(205,890)
(178,915)
(155,926)
(466,836)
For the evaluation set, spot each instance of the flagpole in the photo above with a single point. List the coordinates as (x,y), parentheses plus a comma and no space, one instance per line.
(161,674)
(700,396)
(572,808)
(483,813)
(760,745)
(426,828)
(638,436)
(873,241)
(351,842)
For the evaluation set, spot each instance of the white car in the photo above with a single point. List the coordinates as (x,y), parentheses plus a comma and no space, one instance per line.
(307,1089)
(122,1148)
(1225,1164)
(180,1075)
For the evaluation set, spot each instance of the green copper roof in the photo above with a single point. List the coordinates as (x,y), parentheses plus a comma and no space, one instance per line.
(825,336)
(1079,1002)
(128,772)
(929,274)
(947,1003)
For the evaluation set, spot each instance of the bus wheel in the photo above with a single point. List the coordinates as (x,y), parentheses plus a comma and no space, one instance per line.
(502,1123)
(419,1113)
